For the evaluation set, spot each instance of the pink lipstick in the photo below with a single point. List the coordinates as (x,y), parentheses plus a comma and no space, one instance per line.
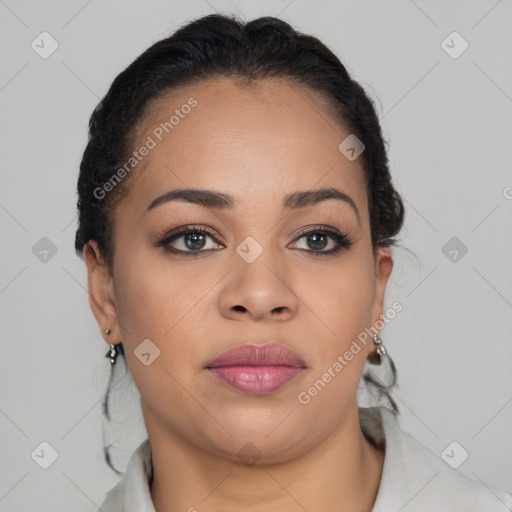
(257,369)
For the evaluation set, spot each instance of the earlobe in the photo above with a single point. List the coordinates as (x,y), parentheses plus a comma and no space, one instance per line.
(101,292)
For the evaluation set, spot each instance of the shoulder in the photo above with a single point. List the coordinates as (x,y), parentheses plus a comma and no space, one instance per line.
(416,478)
(132,492)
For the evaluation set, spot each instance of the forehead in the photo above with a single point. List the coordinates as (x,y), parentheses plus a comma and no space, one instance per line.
(261,140)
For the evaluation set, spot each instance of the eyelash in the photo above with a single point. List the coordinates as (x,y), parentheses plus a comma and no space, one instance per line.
(342,240)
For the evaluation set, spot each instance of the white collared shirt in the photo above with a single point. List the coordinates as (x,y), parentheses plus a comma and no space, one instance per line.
(413,478)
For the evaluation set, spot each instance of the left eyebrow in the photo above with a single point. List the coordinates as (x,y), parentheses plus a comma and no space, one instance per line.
(302,199)
(220,200)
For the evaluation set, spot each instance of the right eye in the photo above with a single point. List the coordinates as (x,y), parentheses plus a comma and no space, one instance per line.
(188,240)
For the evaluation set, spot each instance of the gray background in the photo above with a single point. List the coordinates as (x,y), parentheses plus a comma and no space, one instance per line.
(449,125)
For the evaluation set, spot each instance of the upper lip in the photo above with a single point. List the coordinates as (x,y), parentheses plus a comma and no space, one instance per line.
(250,354)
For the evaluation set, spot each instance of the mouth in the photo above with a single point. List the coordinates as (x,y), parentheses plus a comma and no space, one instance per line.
(257,369)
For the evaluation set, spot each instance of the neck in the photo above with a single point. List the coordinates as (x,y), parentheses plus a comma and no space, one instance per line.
(341,473)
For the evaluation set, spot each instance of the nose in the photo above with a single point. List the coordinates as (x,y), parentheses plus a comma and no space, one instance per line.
(261,290)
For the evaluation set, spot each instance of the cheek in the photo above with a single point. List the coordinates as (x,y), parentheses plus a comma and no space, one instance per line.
(157,305)
(345,298)
(158,302)
(343,303)
(142,302)
(145,292)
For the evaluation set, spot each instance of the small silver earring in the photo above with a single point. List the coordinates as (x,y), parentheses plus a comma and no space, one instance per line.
(376,357)
(112,354)
(380,356)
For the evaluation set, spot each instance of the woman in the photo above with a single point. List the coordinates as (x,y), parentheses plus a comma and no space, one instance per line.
(236,216)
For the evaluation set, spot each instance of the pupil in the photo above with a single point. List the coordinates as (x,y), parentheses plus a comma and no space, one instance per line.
(197,240)
(316,237)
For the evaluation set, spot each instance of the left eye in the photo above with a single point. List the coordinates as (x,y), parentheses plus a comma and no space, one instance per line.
(317,241)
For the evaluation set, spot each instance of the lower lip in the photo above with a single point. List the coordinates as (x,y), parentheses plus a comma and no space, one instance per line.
(256,380)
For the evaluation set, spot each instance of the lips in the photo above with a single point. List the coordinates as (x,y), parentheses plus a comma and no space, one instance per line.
(270,354)
(257,369)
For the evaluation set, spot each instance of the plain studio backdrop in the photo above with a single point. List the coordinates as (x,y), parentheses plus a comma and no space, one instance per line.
(441,78)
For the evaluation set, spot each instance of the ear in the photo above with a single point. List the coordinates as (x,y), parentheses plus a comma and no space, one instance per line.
(383,268)
(101,292)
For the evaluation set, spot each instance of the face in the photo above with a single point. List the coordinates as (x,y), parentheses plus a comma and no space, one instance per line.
(254,267)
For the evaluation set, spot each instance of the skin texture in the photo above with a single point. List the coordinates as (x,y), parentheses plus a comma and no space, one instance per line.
(257,144)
